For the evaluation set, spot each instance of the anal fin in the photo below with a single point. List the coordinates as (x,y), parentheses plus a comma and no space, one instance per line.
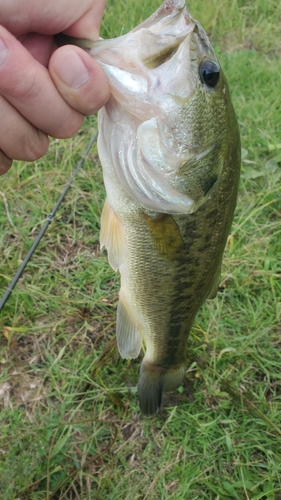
(112,236)
(128,331)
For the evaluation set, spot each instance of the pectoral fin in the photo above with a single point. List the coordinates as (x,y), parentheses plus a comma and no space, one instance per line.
(128,331)
(112,237)
(166,236)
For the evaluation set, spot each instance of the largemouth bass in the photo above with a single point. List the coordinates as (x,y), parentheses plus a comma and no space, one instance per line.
(170,151)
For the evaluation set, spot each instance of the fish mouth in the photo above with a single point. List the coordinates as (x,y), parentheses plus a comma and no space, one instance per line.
(154,38)
(158,57)
(151,62)
(152,72)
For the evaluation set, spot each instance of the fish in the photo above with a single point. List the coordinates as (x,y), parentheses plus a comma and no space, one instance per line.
(169,146)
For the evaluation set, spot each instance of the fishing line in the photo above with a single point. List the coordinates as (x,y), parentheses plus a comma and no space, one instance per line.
(44,228)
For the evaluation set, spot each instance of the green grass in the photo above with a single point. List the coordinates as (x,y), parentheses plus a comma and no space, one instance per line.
(70,427)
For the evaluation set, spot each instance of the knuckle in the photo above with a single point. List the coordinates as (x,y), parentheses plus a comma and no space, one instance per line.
(35,149)
(68,126)
(28,88)
(19,139)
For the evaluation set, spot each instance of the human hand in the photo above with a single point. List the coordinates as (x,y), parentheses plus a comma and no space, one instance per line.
(45,90)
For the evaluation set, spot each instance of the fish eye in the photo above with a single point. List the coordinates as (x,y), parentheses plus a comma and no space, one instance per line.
(209,72)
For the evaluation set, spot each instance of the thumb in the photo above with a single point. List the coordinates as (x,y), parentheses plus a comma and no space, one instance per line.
(79,79)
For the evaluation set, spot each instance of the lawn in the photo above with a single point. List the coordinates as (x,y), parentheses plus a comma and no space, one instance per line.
(70,426)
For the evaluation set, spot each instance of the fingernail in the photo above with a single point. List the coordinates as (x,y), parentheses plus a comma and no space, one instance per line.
(3,51)
(71,69)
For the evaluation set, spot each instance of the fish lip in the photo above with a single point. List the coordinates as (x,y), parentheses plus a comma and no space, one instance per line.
(167,8)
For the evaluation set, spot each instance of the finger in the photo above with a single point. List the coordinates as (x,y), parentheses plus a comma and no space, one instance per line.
(19,140)
(52,17)
(5,163)
(88,25)
(39,46)
(79,79)
(28,86)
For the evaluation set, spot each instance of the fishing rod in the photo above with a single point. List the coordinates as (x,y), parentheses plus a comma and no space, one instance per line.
(49,219)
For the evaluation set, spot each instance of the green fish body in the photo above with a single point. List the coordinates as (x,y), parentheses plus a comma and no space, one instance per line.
(170,150)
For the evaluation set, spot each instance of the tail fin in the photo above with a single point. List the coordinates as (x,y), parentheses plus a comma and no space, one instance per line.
(153,380)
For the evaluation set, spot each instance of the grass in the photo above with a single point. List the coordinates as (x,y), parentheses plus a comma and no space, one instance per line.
(70,427)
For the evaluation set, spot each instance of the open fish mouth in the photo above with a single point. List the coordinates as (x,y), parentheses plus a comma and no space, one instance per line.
(148,46)
(152,71)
